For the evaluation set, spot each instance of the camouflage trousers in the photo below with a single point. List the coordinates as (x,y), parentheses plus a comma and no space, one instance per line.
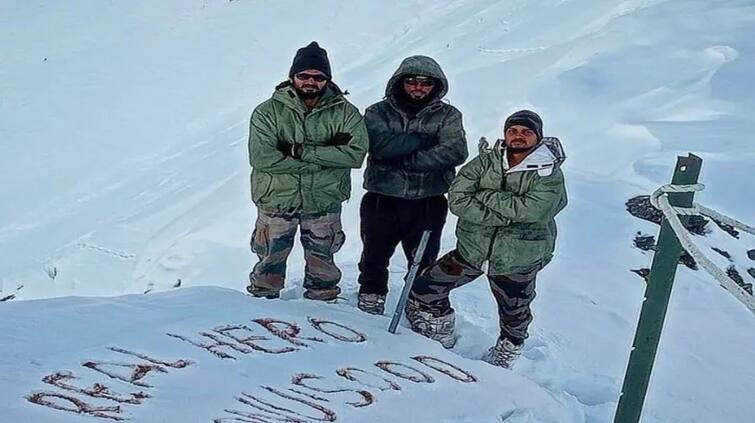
(513,293)
(273,239)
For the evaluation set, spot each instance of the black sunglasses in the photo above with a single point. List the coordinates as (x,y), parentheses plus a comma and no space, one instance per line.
(306,76)
(421,81)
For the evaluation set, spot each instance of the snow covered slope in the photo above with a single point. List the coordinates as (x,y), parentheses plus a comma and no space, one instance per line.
(397,377)
(124,170)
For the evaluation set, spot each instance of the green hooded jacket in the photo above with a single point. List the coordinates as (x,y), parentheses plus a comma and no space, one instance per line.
(422,149)
(506,216)
(320,181)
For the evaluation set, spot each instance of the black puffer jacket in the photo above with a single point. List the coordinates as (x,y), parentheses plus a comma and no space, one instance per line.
(414,155)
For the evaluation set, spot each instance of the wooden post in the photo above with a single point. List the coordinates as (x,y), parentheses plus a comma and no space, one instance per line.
(655,304)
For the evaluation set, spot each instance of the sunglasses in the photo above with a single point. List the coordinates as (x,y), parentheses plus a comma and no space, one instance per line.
(422,82)
(308,76)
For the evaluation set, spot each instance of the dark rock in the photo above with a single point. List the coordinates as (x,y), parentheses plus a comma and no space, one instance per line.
(647,243)
(644,242)
(644,273)
(736,277)
(8,298)
(722,252)
(751,254)
(726,228)
(734,274)
(641,208)
(751,271)
(688,261)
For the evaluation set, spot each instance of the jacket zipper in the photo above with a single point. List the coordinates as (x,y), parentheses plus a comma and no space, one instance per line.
(301,176)
(405,176)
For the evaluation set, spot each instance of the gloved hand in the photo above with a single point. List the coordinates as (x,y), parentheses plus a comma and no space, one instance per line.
(340,138)
(289,149)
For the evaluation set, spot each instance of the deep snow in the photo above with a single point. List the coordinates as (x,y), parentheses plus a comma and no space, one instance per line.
(124,169)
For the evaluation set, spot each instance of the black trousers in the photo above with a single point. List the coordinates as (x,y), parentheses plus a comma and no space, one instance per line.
(386,222)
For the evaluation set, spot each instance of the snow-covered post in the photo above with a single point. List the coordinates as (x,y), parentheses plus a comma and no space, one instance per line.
(657,295)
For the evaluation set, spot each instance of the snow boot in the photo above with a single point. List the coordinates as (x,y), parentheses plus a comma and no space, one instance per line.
(262,292)
(371,303)
(327,294)
(425,323)
(503,353)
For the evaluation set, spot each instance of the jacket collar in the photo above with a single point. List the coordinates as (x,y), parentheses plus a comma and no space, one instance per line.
(546,156)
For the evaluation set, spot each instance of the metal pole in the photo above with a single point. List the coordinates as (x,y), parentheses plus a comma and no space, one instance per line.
(416,260)
(655,304)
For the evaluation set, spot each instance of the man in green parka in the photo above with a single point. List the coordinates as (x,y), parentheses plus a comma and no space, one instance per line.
(303,143)
(506,200)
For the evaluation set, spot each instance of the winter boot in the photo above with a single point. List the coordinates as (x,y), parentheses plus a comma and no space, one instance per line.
(262,292)
(437,328)
(371,303)
(327,294)
(503,353)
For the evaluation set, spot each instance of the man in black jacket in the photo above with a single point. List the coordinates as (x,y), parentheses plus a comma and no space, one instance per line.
(416,141)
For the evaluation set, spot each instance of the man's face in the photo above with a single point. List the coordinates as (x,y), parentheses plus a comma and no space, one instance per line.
(309,83)
(520,138)
(417,88)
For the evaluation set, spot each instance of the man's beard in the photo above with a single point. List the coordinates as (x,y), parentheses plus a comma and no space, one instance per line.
(309,95)
(412,105)
(519,149)
(419,100)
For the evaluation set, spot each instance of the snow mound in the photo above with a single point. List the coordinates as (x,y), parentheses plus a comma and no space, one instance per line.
(201,354)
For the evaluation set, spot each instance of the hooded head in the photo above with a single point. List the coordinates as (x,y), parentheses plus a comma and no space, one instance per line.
(416,66)
(311,57)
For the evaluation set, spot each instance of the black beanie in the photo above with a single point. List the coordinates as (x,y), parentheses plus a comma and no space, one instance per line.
(526,118)
(311,57)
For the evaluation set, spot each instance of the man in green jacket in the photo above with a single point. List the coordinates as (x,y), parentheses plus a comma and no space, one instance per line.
(506,200)
(303,143)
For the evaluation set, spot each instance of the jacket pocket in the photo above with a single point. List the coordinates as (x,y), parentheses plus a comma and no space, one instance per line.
(262,183)
(344,186)
(528,232)
(519,255)
(473,242)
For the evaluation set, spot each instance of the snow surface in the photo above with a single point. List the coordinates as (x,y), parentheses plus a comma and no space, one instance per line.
(124,170)
(202,391)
